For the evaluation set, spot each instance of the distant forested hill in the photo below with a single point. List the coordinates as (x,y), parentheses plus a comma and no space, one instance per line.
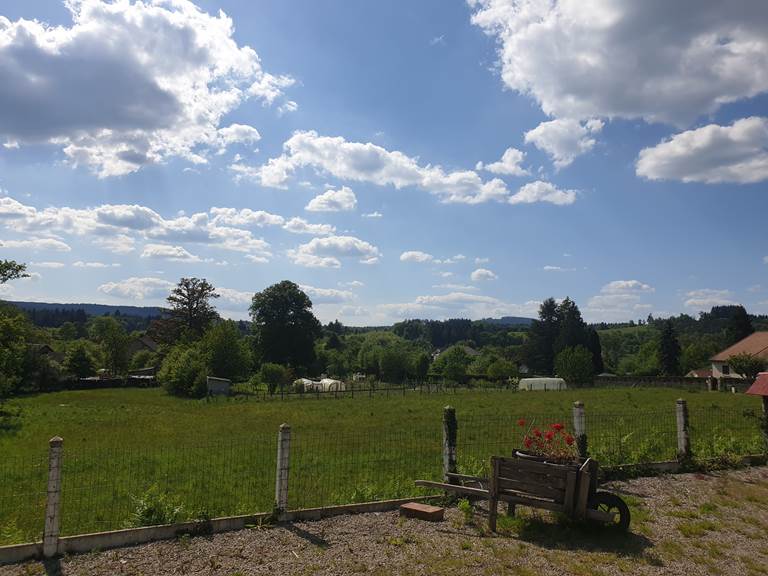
(93,309)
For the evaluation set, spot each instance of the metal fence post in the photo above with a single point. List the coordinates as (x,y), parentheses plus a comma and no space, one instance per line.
(283,467)
(580,428)
(683,431)
(53,499)
(450,427)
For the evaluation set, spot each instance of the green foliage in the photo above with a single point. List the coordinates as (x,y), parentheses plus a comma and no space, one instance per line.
(645,362)
(11,270)
(574,365)
(502,369)
(79,362)
(190,304)
(420,365)
(739,325)
(68,331)
(453,363)
(275,376)
(746,365)
(183,372)
(14,331)
(225,351)
(467,511)
(669,350)
(113,340)
(143,359)
(154,508)
(284,326)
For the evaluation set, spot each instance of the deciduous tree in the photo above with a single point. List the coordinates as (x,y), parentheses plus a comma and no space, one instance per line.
(191,304)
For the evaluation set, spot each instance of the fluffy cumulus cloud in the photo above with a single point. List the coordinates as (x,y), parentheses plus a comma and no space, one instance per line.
(541,191)
(340,200)
(301,226)
(327,295)
(116,227)
(169,253)
(658,60)
(705,298)
(564,138)
(509,165)
(483,274)
(98,265)
(711,154)
(136,288)
(370,163)
(416,256)
(328,252)
(619,300)
(128,83)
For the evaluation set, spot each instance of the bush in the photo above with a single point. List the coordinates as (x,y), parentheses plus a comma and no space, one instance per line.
(143,359)
(183,372)
(274,376)
(574,365)
(79,362)
(226,353)
(153,508)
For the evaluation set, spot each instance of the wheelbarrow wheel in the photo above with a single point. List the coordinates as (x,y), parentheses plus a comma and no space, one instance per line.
(611,504)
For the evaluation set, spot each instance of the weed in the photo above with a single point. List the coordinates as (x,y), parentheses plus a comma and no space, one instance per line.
(467,511)
(154,507)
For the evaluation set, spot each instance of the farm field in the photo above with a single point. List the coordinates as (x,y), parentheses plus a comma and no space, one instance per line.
(217,457)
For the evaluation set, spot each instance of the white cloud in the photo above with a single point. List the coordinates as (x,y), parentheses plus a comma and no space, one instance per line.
(549,268)
(81,264)
(301,226)
(456,304)
(367,162)
(657,60)
(327,295)
(619,300)
(416,256)
(705,298)
(169,253)
(459,287)
(483,274)
(119,243)
(564,138)
(540,191)
(128,83)
(236,297)
(37,244)
(287,107)
(509,164)
(352,284)
(373,215)
(135,288)
(328,252)
(341,200)
(245,217)
(711,154)
(47,264)
(482,260)
(237,134)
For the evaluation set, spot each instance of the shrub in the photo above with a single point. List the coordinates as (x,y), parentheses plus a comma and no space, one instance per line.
(153,508)
(79,362)
(574,365)
(274,376)
(143,359)
(183,372)
(226,353)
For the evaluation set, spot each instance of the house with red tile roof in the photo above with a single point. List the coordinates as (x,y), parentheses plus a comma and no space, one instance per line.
(756,344)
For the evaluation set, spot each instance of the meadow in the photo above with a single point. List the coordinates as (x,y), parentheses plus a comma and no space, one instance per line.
(217,457)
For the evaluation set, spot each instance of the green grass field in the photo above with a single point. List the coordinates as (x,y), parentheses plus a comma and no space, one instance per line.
(218,457)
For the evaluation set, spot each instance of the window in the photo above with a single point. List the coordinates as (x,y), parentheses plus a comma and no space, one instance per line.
(726,370)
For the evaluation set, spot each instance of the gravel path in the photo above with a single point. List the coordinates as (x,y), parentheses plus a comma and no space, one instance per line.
(688,524)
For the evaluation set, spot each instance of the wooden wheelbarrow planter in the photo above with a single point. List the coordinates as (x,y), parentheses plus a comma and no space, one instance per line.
(528,480)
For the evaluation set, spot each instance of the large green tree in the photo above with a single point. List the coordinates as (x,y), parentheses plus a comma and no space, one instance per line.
(574,365)
(746,365)
(739,325)
(113,340)
(190,303)
(225,352)
(284,326)
(669,350)
(539,350)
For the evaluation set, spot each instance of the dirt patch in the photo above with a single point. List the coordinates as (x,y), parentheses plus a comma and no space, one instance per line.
(688,524)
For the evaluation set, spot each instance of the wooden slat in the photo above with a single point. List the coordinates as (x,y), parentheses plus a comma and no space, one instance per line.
(532,502)
(535,464)
(570,491)
(453,488)
(493,494)
(554,481)
(466,477)
(600,516)
(522,467)
(582,495)
(535,489)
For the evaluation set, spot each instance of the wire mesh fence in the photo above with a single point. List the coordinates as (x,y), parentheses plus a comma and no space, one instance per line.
(117,487)
(108,489)
(351,468)
(23,489)
(718,432)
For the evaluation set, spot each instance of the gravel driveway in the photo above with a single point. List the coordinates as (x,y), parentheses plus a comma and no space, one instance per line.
(688,524)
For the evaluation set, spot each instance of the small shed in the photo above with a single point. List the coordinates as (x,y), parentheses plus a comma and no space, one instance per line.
(218,386)
(760,388)
(545,384)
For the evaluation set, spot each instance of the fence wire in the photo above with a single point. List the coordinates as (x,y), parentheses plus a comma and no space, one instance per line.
(718,432)
(328,469)
(633,437)
(23,489)
(108,489)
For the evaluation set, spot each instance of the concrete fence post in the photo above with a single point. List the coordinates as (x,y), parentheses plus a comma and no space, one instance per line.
(53,499)
(283,468)
(450,427)
(683,431)
(580,428)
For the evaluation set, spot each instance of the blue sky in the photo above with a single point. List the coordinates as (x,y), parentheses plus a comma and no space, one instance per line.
(397,159)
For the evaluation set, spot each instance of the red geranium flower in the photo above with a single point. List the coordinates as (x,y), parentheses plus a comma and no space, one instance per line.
(528,442)
(549,435)
(569,439)
(521,422)
(537,432)
(557,427)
